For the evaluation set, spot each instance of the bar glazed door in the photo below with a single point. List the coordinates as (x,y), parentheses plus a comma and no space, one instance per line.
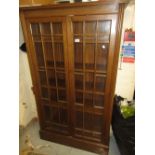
(48,43)
(92,40)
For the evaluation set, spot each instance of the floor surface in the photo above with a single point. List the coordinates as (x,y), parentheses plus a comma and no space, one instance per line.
(50,148)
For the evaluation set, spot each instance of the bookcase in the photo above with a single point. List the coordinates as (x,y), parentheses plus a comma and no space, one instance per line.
(73,54)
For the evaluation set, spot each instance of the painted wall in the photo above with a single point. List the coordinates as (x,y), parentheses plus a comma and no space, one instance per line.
(26,97)
(126,75)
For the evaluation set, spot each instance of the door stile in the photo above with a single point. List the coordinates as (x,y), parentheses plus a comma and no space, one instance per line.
(69,32)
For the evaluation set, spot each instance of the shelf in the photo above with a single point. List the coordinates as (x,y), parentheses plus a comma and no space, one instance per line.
(91,34)
(89,92)
(58,69)
(44,35)
(93,42)
(47,41)
(81,71)
(87,109)
(99,68)
(57,104)
(53,87)
(91,39)
(47,37)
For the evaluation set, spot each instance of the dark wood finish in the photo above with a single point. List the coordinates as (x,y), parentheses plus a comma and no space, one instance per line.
(73,55)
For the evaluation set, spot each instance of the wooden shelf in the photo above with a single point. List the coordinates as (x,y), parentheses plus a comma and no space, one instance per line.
(81,71)
(87,109)
(89,92)
(53,87)
(58,69)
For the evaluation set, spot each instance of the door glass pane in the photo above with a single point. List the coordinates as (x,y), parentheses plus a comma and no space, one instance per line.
(78,27)
(55,114)
(79,97)
(53,95)
(79,119)
(44,102)
(88,100)
(103,38)
(44,92)
(39,54)
(102,57)
(61,80)
(46,32)
(89,56)
(78,55)
(90,27)
(49,54)
(98,123)
(99,100)
(90,39)
(57,28)
(43,80)
(62,95)
(88,121)
(45,28)
(51,77)
(58,39)
(104,27)
(59,54)
(79,81)
(47,113)
(35,31)
(63,116)
(89,81)
(100,83)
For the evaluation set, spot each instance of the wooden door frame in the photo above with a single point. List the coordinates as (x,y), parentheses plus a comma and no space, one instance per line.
(33,61)
(113,19)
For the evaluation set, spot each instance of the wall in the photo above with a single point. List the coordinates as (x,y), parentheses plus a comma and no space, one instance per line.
(125,83)
(27,104)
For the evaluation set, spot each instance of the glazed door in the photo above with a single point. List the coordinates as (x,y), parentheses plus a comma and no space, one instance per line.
(92,51)
(48,37)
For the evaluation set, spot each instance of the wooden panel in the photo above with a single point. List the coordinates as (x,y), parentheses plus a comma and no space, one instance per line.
(70,9)
(25,2)
(30,2)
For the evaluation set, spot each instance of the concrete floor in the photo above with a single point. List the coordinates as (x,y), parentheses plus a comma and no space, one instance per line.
(54,148)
